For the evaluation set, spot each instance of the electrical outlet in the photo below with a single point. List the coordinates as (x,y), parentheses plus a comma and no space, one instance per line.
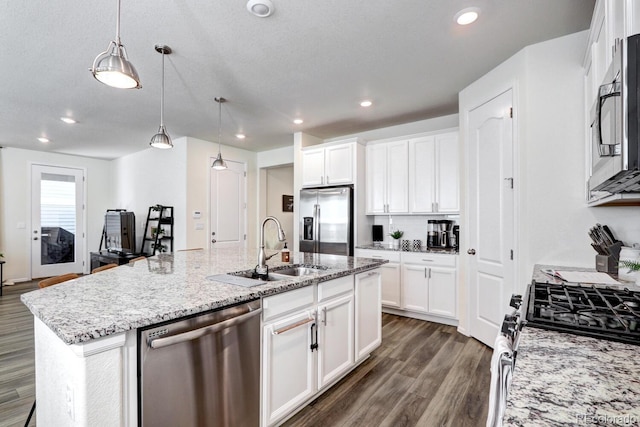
(69,401)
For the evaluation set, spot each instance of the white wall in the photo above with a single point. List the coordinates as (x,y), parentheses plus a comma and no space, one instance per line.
(279,182)
(15,178)
(552,215)
(152,177)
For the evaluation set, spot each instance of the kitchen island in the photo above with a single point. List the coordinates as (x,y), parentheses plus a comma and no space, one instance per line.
(85,329)
(563,379)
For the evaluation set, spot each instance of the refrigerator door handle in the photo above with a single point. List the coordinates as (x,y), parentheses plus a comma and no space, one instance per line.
(316,228)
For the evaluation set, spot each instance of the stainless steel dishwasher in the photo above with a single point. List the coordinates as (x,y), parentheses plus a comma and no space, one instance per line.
(201,371)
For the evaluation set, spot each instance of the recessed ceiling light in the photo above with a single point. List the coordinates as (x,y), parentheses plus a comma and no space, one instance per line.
(467,16)
(260,8)
(43,139)
(240,136)
(68,120)
(366,103)
(298,121)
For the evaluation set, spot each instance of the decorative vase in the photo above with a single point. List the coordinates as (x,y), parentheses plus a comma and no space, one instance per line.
(395,244)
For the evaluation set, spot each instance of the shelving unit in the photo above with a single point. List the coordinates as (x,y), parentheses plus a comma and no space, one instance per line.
(158,230)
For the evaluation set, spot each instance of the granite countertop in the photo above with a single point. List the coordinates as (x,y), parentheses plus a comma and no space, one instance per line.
(166,287)
(384,247)
(564,379)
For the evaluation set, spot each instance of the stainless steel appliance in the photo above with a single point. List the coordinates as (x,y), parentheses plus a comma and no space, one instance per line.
(201,371)
(326,220)
(615,125)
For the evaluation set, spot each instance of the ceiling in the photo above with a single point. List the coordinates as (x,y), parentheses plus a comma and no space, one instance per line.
(311,59)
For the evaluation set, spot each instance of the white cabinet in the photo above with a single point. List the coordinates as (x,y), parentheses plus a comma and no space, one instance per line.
(330,165)
(433,174)
(368,319)
(429,284)
(335,339)
(387,177)
(390,272)
(312,336)
(287,365)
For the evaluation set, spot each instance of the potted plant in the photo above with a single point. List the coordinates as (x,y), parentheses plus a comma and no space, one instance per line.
(396,235)
(633,266)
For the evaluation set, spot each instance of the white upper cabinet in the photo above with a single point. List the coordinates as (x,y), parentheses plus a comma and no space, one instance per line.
(387,178)
(433,174)
(331,165)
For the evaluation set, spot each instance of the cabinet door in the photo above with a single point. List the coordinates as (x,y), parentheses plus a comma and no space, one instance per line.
(442,291)
(390,284)
(287,366)
(397,177)
(338,167)
(368,313)
(447,181)
(335,339)
(415,290)
(376,178)
(313,167)
(422,163)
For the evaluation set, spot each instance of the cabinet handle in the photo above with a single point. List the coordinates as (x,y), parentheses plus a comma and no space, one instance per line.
(314,337)
(327,179)
(322,180)
(324,316)
(373,273)
(437,207)
(376,256)
(429,272)
(428,260)
(290,327)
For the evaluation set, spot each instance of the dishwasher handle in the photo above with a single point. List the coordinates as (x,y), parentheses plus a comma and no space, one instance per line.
(200,332)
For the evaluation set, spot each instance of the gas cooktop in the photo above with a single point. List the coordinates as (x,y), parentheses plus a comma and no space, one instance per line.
(598,312)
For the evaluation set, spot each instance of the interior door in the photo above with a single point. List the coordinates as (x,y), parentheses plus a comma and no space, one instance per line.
(228,206)
(57,220)
(491,216)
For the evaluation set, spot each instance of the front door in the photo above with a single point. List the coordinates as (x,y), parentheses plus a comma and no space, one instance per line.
(491,215)
(57,220)
(228,206)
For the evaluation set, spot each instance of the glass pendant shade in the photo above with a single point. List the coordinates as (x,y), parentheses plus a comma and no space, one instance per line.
(112,67)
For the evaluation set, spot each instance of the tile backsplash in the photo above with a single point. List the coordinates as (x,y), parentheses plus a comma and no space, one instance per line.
(414,226)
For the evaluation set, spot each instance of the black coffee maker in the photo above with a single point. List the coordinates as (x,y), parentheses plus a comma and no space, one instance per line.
(455,237)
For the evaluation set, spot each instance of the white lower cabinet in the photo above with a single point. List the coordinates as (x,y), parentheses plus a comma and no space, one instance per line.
(391,285)
(287,365)
(335,339)
(309,347)
(429,284)
(368,313)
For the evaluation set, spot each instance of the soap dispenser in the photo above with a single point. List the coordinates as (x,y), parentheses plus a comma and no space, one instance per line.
(285,253)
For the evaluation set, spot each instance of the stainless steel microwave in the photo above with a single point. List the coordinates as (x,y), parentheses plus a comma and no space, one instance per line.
(615,125)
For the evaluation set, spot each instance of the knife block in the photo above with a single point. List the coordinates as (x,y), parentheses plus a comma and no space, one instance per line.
(609,263)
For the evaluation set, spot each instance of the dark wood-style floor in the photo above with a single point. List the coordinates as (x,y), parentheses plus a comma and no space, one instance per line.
(17,370)
(424,374)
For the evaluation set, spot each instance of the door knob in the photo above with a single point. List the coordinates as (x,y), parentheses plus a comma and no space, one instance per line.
(471,251)
(213,240)
(35,238)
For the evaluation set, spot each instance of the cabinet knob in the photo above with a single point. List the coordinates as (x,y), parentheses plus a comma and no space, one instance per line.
(471,251)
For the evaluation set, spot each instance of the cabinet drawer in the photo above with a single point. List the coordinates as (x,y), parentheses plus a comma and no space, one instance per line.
(287,302)
(392,256)
(424,258)
(335,287)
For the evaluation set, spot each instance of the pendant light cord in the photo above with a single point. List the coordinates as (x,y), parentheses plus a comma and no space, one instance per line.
(161,93)
(118,25)
(219,123)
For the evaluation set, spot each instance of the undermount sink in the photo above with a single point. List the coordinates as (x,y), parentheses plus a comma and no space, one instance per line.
(298,271)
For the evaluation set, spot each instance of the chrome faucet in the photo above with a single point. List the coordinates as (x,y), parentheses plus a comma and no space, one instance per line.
(261,268)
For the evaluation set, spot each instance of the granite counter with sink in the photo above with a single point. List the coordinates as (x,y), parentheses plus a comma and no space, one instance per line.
(166,287)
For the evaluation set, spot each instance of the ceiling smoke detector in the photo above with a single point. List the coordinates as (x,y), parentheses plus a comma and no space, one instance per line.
(260,8)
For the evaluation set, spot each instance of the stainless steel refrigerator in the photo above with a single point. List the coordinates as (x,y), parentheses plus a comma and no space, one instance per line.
(326,220)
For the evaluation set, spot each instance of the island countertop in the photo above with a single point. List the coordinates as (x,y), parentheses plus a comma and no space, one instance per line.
(166,287)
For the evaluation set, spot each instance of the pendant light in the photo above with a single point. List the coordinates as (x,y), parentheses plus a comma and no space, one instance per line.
(218,163)
(162,138)
(112,67)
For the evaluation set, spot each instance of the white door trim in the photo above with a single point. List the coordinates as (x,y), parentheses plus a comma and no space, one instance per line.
(479,98)
(85,249)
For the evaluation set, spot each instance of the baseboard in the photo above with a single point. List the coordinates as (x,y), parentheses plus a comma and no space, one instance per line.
(421,316)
